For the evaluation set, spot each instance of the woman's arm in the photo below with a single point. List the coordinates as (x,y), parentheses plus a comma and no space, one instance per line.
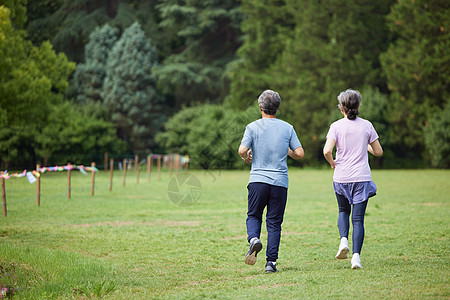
(375,148)
(328,151)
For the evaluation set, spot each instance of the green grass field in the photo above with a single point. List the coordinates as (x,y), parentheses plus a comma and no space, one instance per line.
(133,243)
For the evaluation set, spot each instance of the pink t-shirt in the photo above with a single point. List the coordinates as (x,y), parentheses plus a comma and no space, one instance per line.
(352,138)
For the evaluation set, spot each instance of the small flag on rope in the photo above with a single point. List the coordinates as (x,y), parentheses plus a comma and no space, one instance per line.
(30,177)
(83,171)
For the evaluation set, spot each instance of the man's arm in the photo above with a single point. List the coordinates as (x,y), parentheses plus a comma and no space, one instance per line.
(245,154)
(328,152)
(375,148)
(297,153)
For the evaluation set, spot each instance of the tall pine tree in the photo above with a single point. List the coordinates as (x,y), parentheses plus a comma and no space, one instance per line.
(204,36)
(89,76)
(309,51)
(417,70)
(129,93)
(68,24)
(267,28)
(335,47)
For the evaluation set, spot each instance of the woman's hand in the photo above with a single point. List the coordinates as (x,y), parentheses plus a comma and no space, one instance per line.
(328,152)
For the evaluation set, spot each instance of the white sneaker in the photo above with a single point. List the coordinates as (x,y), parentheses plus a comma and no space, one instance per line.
(343,249)
(356,261)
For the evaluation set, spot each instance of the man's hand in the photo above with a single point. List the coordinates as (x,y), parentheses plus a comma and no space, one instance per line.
(248,160)
(245,154)
(297,153)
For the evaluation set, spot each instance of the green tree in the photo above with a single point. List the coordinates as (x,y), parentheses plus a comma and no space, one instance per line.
(89,76)
(210,134)
(38,27)
(68,24)
(313,51)
(437,137)
(267,27)
(373,107)
(204,36)
(416,67)
(17,12)
(76,133)
(177,129)
(32,79)
(135,106)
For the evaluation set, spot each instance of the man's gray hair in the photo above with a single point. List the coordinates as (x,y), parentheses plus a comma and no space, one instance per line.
(269,101)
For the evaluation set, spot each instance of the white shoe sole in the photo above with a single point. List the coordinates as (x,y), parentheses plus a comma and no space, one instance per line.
(356,264)
(342,253)
(250,259)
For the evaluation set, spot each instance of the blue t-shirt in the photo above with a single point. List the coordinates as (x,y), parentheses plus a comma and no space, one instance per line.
(270,140)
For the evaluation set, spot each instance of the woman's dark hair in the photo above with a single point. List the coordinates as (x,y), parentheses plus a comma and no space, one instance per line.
(269,101)
(350,100)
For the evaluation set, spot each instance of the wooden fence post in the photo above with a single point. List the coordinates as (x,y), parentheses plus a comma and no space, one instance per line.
(93,178)
(68,184)
(38,185)
(159,167)
(111,169)
(124,166)
(149,166)
(170,165)
(138,172)
(177,163)
(186,164)
(4,196)
(136,159)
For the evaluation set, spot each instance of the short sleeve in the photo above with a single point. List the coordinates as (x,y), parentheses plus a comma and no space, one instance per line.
(332,133)
(247,138)
(373,135)
(294,142)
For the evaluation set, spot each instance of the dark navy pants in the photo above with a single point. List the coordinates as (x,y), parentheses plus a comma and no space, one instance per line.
(358,213)
(261,195)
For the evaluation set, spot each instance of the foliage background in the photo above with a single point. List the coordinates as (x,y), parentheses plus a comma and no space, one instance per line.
(70,89)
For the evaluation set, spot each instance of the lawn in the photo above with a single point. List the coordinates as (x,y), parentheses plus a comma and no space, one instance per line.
(135,243)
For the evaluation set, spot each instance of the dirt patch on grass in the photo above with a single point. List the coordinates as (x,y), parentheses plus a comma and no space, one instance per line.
(244,237)
(276,285)
(430,204)
(296,233)
(174,223)
(132,223)
(199,282)
(138,269)
(238,237)
(107,223)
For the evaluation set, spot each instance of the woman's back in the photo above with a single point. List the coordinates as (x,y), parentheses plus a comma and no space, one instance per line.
(352,138)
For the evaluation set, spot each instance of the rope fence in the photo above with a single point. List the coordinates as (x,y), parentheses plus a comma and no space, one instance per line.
(173,162)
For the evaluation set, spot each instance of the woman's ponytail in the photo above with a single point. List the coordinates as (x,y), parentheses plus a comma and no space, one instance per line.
(349,101)
(352,113)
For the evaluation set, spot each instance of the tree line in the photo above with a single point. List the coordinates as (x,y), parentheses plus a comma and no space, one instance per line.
(80,78)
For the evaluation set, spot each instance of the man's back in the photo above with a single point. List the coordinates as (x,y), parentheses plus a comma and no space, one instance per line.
(270,140)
